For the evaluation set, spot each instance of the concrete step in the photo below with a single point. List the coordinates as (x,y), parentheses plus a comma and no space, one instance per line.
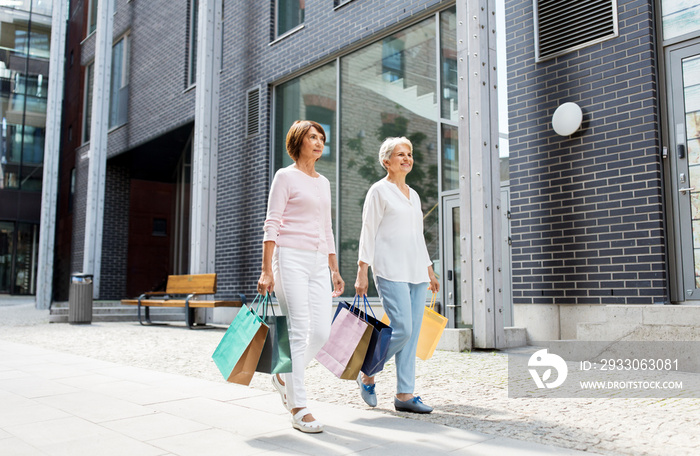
(640,322)
(111,311)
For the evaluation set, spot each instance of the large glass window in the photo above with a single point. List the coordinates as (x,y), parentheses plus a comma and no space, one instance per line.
(290,14)
(24,64)
(388,89)
(119,83)
(310,97)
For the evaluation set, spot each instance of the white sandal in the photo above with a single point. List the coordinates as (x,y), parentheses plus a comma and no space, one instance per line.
(311,427)
(280,389)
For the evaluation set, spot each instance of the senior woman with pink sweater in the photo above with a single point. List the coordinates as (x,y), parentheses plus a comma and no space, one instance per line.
(299,261)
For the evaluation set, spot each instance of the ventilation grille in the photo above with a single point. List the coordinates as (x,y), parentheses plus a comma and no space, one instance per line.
(253,102)
(562,26)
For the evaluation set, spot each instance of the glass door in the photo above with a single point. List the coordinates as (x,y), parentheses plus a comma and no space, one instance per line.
(7,242)
(451,289)
(684,107)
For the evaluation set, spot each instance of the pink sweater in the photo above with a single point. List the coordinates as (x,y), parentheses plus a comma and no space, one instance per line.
(299,212)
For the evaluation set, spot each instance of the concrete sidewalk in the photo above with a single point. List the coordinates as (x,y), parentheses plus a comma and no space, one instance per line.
(55,403)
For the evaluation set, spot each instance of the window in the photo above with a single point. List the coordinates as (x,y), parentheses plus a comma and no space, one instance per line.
(388,88)
(448,63)
(87,110)
(92,14)
(680,18)
(392,59)
(192,43)
(290,14)
(119,83)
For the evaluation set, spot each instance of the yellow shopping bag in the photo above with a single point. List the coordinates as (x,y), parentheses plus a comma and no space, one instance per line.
(430,331)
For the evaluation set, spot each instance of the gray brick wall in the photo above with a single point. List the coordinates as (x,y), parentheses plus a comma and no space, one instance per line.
(587,213)
(159,102)
(244,163)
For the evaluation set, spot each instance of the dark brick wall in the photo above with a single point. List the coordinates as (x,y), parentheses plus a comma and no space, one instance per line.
(244,163)
(115,233)
(587,213)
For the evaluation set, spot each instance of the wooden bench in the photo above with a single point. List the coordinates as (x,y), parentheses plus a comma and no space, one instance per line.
(181,291)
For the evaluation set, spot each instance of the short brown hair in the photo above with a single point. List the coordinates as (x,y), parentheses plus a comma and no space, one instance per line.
(296,134)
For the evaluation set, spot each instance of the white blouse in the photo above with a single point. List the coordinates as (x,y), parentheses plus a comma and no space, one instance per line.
(392,241)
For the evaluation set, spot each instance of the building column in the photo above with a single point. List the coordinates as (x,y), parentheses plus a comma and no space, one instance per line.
(99,126)
(52,148)
(206,138)
(479,169)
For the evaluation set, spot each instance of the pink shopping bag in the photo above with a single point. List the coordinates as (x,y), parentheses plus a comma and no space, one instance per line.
(344,352)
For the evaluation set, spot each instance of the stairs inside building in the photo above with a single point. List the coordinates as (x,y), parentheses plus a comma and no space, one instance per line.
(110,311)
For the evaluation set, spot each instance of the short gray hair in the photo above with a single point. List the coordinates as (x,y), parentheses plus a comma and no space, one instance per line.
(388,147)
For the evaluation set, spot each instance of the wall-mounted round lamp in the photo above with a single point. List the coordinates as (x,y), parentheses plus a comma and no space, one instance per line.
(567,119)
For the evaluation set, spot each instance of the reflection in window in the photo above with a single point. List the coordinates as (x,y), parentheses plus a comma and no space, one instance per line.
(448,63)
(290,14)
(392,59)
(119,83)
(36,44)
(450,158)
(680,17)
(310,97)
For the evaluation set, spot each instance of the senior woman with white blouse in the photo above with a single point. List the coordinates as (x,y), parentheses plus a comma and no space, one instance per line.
(392,243)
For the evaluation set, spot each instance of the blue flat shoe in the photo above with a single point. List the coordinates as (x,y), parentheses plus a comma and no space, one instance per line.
(367,392)
(414,405)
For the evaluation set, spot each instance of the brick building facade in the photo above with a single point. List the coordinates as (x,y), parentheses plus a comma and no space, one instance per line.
(593,215)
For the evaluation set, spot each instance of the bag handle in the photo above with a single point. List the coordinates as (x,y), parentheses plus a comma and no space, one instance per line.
(433,301)
(263,303)
(370,308)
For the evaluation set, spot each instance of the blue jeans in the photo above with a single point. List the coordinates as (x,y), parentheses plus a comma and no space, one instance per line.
(403,303)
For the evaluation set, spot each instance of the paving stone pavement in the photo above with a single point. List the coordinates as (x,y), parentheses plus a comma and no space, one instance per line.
(468,390)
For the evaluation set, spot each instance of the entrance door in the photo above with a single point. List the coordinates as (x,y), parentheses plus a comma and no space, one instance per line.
(452,265)
(684,117)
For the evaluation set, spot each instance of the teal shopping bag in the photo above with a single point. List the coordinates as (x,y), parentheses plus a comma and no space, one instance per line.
(276,357)
(239,350)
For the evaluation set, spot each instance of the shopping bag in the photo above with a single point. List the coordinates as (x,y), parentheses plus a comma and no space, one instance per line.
(344,351)
(238,353)
(276,357)
(379,340)
(430,331)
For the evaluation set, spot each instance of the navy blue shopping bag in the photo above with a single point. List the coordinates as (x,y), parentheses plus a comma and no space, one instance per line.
(379,339)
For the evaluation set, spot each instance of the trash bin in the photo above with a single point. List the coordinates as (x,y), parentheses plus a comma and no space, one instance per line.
(80,298)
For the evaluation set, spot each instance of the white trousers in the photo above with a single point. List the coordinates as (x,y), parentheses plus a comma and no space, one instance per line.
(303,289)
